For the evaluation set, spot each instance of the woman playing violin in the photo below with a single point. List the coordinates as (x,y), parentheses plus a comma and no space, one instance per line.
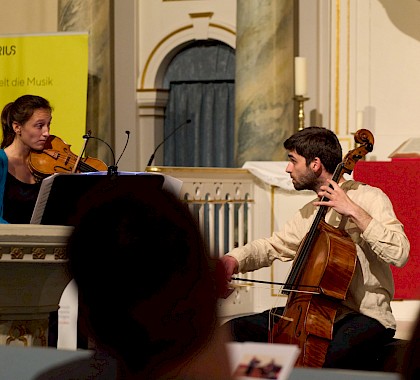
(26,127)
(364,320)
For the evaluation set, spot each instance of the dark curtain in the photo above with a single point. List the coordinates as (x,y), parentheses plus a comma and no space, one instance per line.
(208,139)
(201,89)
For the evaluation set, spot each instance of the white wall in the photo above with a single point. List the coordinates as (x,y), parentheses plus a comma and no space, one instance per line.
(371,46)
(388,78)
(362,57)
(28,16)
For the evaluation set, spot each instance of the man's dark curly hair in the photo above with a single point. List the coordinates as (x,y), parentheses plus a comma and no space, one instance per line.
(312,142)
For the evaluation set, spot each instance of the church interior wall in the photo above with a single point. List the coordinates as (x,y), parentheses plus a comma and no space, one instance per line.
(367,65)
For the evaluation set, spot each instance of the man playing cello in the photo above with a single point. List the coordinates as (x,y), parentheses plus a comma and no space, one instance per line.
(364,321)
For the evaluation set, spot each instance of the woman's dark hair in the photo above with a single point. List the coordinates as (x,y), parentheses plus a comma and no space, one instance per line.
(146,287)
(20,111)
(312,142)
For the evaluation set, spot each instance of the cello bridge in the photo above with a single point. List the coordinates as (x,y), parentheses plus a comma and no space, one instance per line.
(282,317)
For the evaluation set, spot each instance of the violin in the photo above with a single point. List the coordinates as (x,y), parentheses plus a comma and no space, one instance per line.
(320,277)
(56,157)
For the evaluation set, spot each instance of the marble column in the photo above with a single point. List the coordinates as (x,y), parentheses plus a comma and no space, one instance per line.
(93,16)
(264,105)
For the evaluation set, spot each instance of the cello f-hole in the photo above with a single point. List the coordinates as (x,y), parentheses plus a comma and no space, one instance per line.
(297,333)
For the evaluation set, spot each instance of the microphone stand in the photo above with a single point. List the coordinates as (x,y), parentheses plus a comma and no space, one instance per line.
(112,169)
(167,137)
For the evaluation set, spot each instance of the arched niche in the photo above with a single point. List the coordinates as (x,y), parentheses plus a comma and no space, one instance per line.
(151,96)
(158,60)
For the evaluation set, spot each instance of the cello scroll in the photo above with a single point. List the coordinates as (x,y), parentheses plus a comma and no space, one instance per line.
(365,139)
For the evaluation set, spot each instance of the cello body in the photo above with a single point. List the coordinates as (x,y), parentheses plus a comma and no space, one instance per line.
(320,277)
(309,318)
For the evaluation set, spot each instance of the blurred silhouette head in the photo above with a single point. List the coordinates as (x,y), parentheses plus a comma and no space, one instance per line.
(147,288)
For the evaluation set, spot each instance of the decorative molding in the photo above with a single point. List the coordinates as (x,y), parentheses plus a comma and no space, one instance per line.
(24,333)
(16,253)
(159,58)
(29,289)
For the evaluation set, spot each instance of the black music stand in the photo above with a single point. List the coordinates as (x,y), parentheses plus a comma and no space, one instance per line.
(62,195)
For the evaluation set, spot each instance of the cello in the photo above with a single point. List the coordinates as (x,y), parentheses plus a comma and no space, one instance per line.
(56,157)
(320,277)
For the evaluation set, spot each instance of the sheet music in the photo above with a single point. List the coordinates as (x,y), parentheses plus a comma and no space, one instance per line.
(410,148)
(42,199)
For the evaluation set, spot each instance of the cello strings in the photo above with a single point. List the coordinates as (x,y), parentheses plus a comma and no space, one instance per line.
(272,314)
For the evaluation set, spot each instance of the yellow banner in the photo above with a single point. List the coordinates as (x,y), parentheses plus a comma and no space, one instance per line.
(54,66)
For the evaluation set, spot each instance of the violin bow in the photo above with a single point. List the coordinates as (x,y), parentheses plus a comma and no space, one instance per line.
(86,138)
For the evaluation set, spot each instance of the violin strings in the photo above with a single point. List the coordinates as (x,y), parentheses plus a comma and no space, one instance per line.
(86,167)
(65,160)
